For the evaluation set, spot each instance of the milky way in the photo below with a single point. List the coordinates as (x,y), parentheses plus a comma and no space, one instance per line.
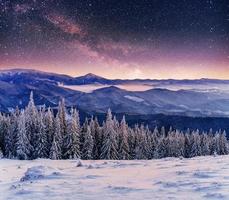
(117,39)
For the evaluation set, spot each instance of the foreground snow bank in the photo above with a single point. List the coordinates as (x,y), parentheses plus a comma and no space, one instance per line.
(169,178)
(39,172)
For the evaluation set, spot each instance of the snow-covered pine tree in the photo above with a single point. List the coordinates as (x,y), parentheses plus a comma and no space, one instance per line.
(1,153)
(187,144)
(195,144)
(63,123)
(211,141)
(92,127)
(224,148)
(163,132)
(216,143)
(87,151)
(171,144)
(14,128)
(55,151)
(3,132)
(148,148)
(161,148)
(83,132)
(176,143)
(180,142)
(8,138)
(109,147)
(72,140)
(205,149)
(116,125)
(154,139)
(97,137)
(49,127)
(138,151)
(23,146)
(132,142)
(31,118)
(41,147)
(143,145)
(123,149)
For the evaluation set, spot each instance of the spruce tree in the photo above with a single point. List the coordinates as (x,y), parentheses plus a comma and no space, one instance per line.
(23,146)
(161,148)
(3,133)
(63,123)
(187,144)
(195,144)
(109,147)
(224,149)
(97,138)
(132,142)
(123,141)
(49,127)
(141,147)
(31,118)
(41,150)
(1,153)
(216,143)
(8,139)
(205,142)
(56,151)
(72,139)
(87,151)
(154,140)
(83,133)
(14,128)
(180,141)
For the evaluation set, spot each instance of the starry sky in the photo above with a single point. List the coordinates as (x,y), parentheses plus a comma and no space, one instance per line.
(156,39)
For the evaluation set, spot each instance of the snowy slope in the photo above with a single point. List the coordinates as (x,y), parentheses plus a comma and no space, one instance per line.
(170,178)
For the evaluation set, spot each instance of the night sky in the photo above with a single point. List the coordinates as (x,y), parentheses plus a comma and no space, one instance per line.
(117,38)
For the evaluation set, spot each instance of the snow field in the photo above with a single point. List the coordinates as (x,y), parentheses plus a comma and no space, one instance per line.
(168,178)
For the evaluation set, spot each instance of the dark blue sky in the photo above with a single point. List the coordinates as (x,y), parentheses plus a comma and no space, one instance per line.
(117,38)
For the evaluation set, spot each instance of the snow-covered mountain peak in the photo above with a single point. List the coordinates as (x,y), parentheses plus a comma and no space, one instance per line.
(92,76)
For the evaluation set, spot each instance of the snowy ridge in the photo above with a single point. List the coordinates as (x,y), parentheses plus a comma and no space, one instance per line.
(133,98)
(18,71)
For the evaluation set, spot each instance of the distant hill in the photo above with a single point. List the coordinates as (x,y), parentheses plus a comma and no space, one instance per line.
(16,84)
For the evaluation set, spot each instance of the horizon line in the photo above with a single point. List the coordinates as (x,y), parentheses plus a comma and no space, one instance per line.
(97,75)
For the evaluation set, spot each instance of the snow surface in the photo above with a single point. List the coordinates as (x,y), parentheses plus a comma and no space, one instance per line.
(169,178)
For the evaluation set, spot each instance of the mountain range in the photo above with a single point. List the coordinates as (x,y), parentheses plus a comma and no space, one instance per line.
(211,101)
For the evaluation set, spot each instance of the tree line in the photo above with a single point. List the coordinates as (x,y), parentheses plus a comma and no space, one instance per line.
(38,133)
